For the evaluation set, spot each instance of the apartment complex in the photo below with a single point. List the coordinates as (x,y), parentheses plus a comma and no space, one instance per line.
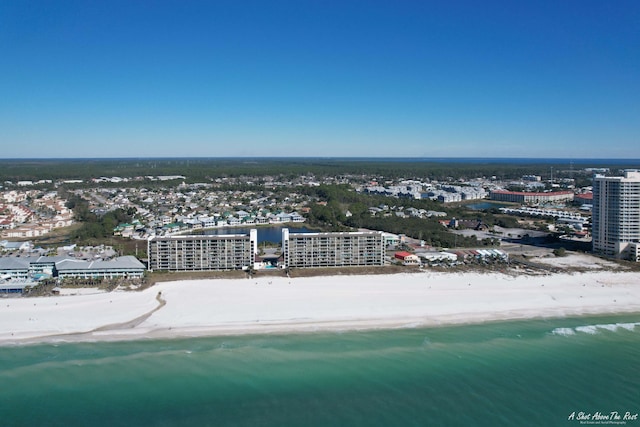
(125,266)
(333,249)
(238,251)
(203,253)
(26,268)
(616,215)
(531,197)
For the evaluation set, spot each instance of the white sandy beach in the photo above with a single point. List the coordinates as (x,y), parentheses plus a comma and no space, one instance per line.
(220,307)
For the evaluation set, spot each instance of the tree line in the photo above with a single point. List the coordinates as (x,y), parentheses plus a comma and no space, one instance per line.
(95,227)
(336,200)
(205,169)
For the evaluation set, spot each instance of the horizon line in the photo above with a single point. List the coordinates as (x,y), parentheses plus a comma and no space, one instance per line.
(381,158)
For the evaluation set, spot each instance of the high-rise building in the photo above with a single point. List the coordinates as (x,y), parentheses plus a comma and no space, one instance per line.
(346,249)
(203,252)
(616,215)
(238,251)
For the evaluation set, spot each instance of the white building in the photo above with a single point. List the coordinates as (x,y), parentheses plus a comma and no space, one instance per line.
(203,252)
(616,214)
(436,256)
(345,249)
(126,266)
(65,267)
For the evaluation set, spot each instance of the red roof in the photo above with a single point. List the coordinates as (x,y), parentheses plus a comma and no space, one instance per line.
(402,255)
(585,196)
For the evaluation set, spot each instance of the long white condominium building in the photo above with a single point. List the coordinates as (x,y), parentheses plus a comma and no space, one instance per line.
(203,253)
(332,249)
(616,215)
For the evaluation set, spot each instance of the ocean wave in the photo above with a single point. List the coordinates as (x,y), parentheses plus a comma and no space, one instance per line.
(609,327)
(563,331)
(589,329)
(594,329)
(628,326)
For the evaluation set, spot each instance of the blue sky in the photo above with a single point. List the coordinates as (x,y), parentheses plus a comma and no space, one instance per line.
(125,78)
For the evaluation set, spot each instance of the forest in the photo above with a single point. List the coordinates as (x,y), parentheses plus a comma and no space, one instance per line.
(94,228)
(340,199)
(206,169)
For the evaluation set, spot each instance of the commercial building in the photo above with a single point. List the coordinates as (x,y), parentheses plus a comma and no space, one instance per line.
(437,256)
(127,267)
(407,258)
(584,199)
(531,197)
(345,249)
(17,286)
(16,273)
(203,252)
(616,215)
(14,268)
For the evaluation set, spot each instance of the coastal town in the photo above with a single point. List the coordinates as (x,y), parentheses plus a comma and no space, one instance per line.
(217,225)
(319,213)
(27,210)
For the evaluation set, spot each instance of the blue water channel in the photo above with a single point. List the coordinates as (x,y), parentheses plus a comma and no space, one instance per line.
(265,234)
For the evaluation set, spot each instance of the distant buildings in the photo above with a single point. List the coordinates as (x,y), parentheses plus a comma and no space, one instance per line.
(15,246)
(616,215)
(531,197)
(550,213)
(445,193)
(46,212)
(584,198)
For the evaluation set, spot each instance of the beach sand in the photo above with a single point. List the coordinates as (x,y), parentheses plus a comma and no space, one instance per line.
(278,304)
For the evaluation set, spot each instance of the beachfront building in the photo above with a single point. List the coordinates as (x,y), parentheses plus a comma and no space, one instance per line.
(616,215)
(437,256)
(14,268)
(634,251)
(526,197)
(16,274)
(127,267)
(16,286)
(390,239)
(407,258)
(346,249)
(203,252)
(32,267)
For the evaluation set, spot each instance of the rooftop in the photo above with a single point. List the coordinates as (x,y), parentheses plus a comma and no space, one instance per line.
(125,262)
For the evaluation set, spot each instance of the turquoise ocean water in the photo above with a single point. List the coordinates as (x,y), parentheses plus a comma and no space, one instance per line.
(526,373)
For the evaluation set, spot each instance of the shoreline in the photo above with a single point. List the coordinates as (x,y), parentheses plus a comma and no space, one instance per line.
(301,328)
(225,307)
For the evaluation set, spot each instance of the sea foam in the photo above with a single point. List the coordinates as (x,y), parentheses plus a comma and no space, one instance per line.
(594,329)
(589,329)
(563,331)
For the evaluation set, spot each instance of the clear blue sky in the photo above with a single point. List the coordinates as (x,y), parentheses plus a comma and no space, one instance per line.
(126,78)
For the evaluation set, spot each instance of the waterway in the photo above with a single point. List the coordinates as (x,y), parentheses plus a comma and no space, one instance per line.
(483,206)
